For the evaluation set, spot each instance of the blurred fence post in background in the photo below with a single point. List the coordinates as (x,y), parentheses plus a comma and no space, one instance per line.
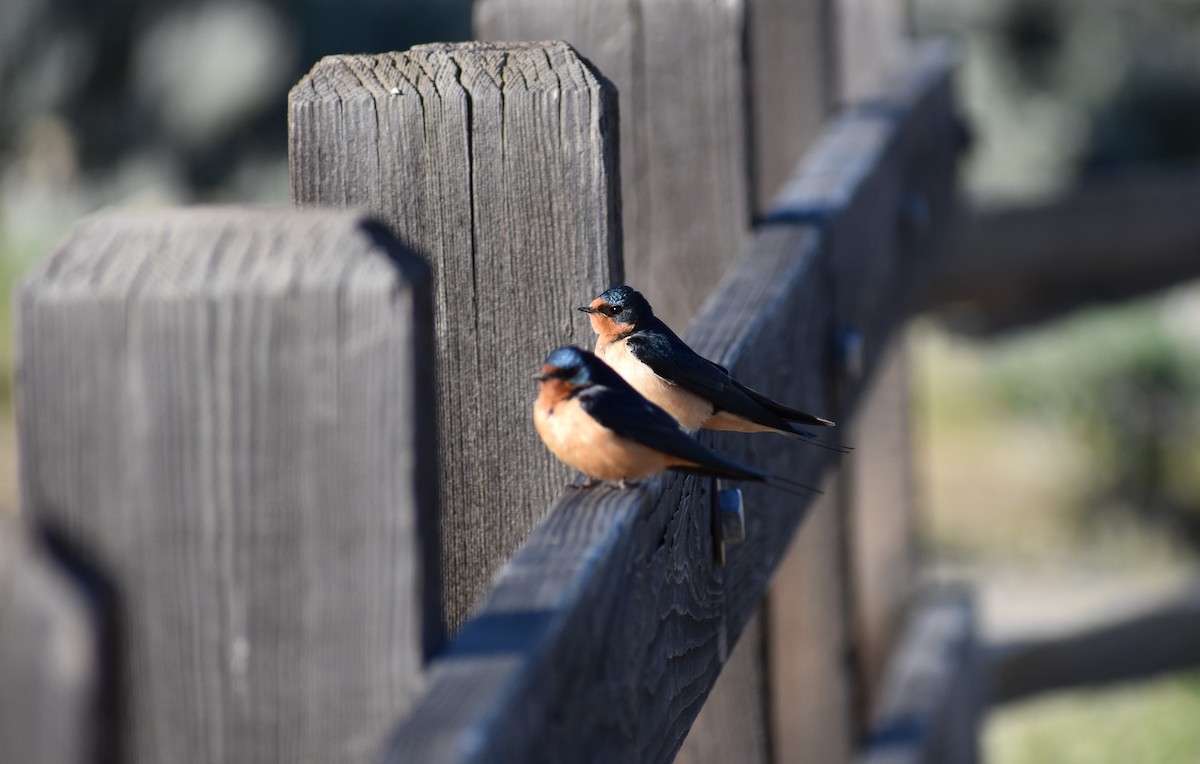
(231,411)
(882,523)
(49,666)
(871,37)
(499,163)
(793,71)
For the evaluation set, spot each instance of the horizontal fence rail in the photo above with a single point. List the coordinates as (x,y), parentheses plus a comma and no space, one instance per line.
(1101,241)
(607,628)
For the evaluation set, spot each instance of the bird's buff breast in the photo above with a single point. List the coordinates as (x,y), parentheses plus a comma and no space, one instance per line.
(577,439)
(687,408)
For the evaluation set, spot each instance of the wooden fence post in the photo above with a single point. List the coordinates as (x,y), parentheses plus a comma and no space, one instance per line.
(807,616)
(231,410)
(872,44)
(685,186)
(883,524)
(48,658)
(498,162)
(793,80)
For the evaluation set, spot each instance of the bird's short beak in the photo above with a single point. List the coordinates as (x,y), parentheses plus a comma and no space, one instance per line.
(586,309)
(541,377)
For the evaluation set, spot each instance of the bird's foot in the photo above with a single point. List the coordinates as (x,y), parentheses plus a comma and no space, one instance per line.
(589,483)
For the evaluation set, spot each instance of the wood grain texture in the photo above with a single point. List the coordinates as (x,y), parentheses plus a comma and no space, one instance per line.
(605,632)
(791,48)
(930,702)
(788,360)
(597,641)
(498,163)
(1102,241)
(732,724)
(809,642)
(232,411)
(48,658)
(677,65)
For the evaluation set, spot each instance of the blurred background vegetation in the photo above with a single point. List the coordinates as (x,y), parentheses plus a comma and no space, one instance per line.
(1060,465)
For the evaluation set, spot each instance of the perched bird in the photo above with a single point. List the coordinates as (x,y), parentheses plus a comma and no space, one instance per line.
(594,421)
(694,390)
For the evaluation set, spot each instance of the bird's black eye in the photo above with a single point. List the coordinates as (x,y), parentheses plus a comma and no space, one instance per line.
(609,310)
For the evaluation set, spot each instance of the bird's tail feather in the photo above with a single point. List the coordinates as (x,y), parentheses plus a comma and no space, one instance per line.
(791,486)
(729,472)
(744,473)
(812,438)
(784,412)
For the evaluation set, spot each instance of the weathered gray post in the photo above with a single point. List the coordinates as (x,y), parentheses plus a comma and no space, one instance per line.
(684,152)
(498,161)
(791,53)
(48,657)
(232,411)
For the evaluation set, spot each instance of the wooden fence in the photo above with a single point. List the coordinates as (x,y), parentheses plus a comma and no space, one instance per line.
(268,530)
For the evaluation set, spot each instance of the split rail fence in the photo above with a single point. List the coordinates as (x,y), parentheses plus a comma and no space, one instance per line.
(282,496)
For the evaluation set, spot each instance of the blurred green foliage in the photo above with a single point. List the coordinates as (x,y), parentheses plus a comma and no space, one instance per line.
(1063,90)
(1147,723)
(1128,384)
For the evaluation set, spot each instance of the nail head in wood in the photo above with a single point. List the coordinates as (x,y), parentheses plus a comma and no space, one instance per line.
(733,515)
(850,353)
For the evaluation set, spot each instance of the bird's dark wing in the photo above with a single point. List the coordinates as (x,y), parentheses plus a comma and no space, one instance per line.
(784,412)
(631,416)
(676,362)
(668,357)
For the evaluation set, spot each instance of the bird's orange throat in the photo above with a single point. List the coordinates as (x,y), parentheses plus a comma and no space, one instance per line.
(553,392)
(605,327)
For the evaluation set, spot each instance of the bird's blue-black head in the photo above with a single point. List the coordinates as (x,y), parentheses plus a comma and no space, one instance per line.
(577,367)
(623,304)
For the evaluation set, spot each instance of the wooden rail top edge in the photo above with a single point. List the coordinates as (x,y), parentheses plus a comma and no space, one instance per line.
(552,66)
(556,632)
(503,651)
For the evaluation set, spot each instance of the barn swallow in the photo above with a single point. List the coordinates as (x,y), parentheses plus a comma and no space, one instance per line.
(694,390)
(591,419)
